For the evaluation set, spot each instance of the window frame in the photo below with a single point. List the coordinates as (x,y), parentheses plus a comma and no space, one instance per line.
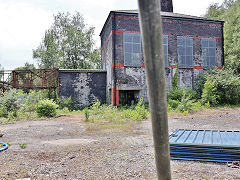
(184,46)
(206,54)
(132,44)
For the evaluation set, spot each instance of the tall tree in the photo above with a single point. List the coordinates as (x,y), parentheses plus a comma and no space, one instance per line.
(68,44)
(26,66)
(229,12)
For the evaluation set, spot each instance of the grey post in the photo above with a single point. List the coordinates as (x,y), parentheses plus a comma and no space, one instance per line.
(151,31)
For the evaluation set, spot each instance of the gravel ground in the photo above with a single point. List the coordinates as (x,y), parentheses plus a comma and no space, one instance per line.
(66,148)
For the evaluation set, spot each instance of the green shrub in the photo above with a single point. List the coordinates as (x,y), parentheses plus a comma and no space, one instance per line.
(175,80)
(47,108)
(96,107)
(182,100)
(9,103)
(3,112)
(140,112)
(69,103)
(178,93)
(227,85)
(185,105)
(209,93)
(173,104)
(28,102)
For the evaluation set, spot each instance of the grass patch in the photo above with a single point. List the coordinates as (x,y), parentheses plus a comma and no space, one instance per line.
(107,117)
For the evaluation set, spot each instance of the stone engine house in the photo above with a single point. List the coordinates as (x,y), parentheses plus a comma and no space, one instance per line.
(193,44)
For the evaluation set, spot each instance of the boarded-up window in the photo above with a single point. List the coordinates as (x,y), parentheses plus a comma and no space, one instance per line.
(208,52)
(185,51)
(132,49)
(165,48)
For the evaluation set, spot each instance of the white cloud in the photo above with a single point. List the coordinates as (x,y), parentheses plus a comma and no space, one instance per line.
(22,24)
(22,28)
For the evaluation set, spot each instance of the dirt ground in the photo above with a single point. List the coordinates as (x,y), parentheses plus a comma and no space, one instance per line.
(69,148)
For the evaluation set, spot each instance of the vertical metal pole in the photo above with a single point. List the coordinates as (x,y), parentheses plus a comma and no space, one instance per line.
(151,31)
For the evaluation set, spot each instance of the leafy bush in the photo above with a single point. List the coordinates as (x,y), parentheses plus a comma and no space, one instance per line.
(47,108)
(185,105)
(172,104)
(96,107)
(227,85)
(140,112)
(3,111)
(69,103)
(182,100)
(28,102)
(8,103)
(178,93)
(209,93)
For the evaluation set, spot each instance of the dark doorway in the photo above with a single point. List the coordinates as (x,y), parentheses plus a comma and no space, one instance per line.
(128,97)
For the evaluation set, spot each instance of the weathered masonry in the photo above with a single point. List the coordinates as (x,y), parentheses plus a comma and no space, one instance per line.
(195,44)
(84,86)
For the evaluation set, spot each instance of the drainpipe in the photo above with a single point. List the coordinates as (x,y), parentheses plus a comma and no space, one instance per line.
(223,62)
(114,60)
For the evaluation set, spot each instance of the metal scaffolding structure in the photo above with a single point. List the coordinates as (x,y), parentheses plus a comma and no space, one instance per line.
(29,79)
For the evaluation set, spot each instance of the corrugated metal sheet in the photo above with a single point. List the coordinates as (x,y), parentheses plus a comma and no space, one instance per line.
(205,137)
(205,145)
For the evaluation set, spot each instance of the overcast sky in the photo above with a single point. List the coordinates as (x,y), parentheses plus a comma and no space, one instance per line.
(23,22)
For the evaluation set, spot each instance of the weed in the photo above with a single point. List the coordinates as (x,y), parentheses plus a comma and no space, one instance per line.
(175,80)
(86,113)
(23,146)
(68,103)
(209,93)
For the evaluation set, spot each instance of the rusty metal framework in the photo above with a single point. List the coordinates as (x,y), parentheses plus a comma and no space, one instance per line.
(29,79)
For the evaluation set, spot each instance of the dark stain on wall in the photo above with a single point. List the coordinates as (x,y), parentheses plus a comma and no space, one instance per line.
(84,86)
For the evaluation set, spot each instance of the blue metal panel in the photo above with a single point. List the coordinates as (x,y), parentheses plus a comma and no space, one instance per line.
(205,138)
(205,145)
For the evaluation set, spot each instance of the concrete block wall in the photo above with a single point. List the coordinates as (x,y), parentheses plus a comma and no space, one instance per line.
(84,86)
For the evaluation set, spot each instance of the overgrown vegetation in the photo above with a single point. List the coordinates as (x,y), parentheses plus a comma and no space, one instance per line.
(17,105)
(214,88)
(47,108)
(228,11)
(226,86)
(109,116)
(181,99)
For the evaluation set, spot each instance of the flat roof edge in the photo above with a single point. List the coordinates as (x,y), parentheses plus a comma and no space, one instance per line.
(189,16)
(82,70)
